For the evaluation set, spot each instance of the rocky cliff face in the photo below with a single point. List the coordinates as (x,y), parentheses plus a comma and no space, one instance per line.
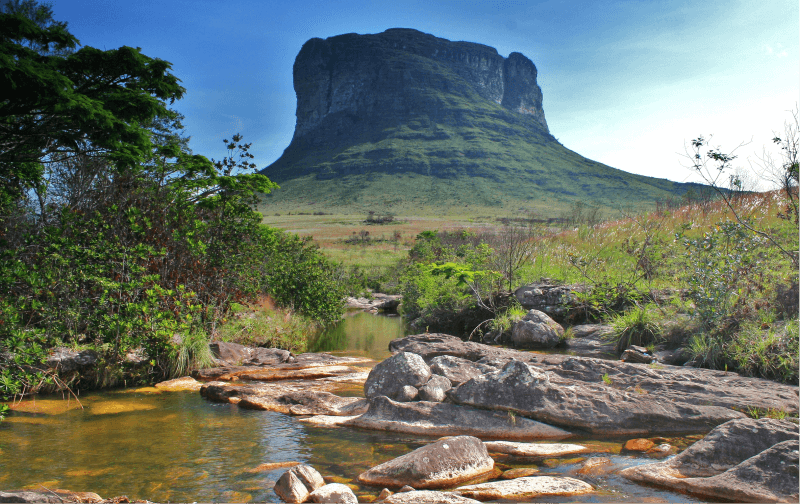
(403,119)
(350,79)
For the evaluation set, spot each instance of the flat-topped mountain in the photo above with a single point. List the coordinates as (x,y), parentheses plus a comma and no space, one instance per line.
(404,120)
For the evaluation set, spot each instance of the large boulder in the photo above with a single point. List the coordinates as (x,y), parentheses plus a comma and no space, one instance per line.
(525,488)
(458,370)
(743,460)
(536,330)
(600,409)
(233,354)
(442,464)
(296,484)
(389,377)
(444,419)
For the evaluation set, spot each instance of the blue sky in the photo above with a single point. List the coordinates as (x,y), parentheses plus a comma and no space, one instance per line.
(626,83)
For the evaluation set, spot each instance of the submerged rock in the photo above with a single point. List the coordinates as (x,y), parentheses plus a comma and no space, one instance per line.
(442,464)
(525,488)
(536,330)
(187,383)
(51,496)
(743,460)
(600,409)
(444,419)
(391,377)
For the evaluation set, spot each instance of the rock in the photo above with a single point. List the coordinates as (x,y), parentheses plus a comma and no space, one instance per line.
(187,383)
(637,355)
(458,370)
(407,393)
(296,484)
(528,391)
(64,360)
(233,354)
(520,472)
(389,377)
(444,419)
(384,494)
(662,450)
(743,460)
(428,497)
(306,402)
(536,330)
(591,340)
(335,493)
(435,388)
(596,466)
(52,496)
(640,445)
(379,303)
(442,464)
(406,488)
(694,386)
(554,300)
(271,466)
(533,449)
(525,488)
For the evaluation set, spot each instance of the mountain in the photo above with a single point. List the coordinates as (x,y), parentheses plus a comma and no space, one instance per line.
(405,121)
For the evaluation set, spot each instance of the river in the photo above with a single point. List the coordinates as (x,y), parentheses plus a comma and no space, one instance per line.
(177,446)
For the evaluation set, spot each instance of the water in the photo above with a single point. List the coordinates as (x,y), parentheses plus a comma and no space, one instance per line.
(176,446)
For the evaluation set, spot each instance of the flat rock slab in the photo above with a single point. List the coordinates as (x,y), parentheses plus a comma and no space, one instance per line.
(187,383)
(743,460)
(279,370)
(694,386)
(525,488)
(428,497)
(291,398)
(445,419)
(600,409)
(534,449)
(445,463)
(52,496)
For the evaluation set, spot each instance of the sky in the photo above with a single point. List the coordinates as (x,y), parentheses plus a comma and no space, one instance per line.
(627,83)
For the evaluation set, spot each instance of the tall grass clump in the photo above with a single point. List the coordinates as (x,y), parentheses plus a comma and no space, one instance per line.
(638,326)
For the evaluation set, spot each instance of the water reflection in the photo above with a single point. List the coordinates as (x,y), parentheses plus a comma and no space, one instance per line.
(362,334)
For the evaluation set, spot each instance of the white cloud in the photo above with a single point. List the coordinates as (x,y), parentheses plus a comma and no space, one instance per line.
(778,51)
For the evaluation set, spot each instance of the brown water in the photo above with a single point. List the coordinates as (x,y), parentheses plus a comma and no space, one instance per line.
(176,446)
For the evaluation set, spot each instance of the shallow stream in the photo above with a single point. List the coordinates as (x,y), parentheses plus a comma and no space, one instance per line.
(177,446)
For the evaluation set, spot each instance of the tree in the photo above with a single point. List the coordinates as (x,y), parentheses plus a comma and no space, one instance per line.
(57,103)
(714,165)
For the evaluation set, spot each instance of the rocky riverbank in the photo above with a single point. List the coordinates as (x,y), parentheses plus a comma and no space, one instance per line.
(495,405)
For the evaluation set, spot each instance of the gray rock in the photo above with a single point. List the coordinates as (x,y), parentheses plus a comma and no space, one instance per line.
(555,300)
(534,449)
(444,419)
(525,488)
(334,493)
(536,330)
(64,360)
(600,409)
(389,377)
(233,354)
(637,355)
(434,390)
(458,370)
(743,460)
(407,394)
(442,464)
(592,340)
(428,497)
(674,384)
